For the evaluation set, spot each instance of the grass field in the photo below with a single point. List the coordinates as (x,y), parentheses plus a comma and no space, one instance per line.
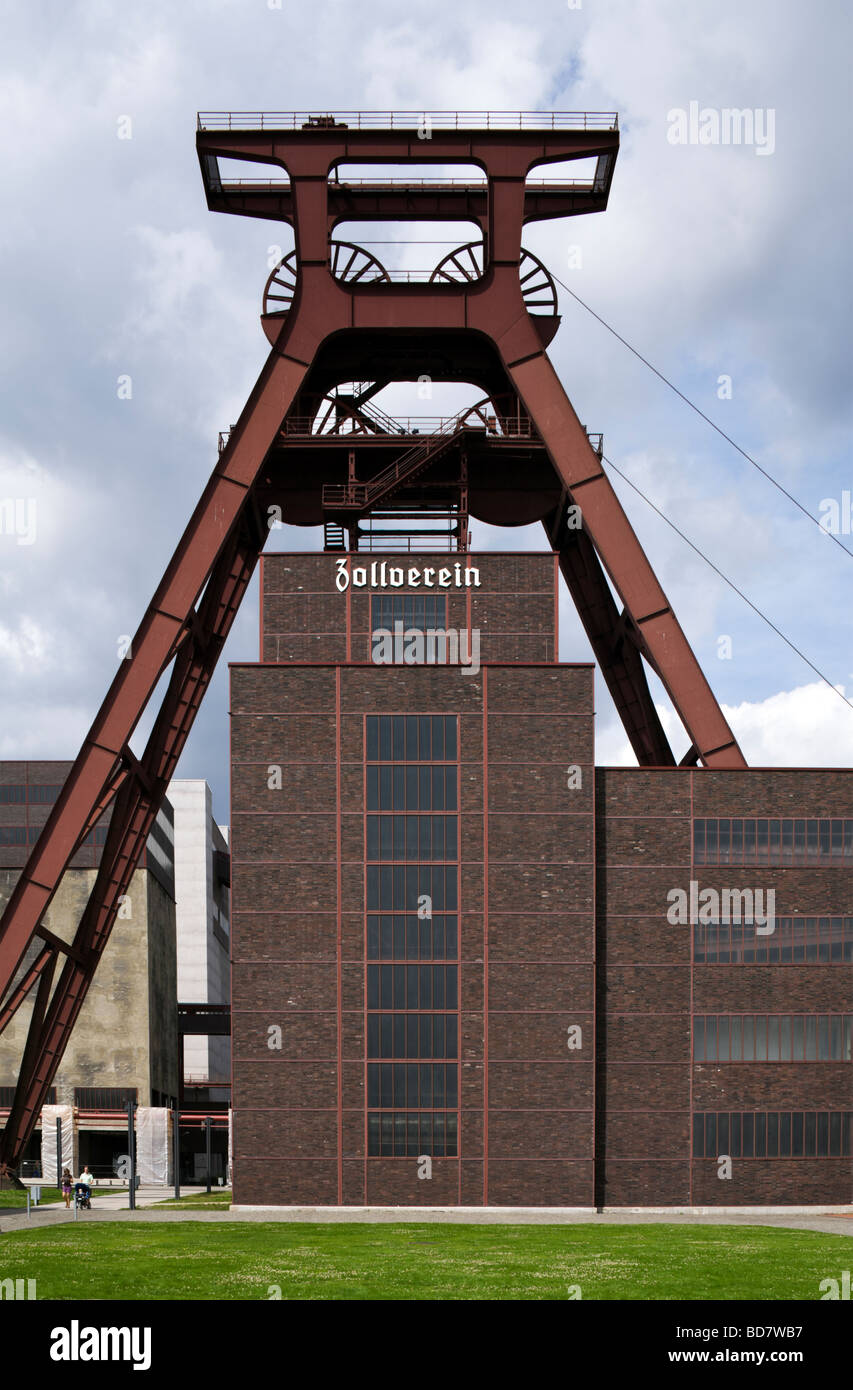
(416,1261)
(220,1200)
(14,1198)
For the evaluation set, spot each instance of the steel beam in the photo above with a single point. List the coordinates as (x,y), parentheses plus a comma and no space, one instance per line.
(645,603)
(217,554)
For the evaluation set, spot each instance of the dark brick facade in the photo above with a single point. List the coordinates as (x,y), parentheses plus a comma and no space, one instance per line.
(562,921)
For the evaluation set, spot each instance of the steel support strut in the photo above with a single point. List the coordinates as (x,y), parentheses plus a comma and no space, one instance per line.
(328,331)
(217,554)
(653,625)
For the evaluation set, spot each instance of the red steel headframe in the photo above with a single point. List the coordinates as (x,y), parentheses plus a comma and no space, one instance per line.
(193,608)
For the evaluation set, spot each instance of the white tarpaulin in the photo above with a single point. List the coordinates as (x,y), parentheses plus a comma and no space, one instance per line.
(49,1115)
(153,1146)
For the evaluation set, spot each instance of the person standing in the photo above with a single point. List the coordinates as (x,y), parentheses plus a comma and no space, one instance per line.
(83,1185)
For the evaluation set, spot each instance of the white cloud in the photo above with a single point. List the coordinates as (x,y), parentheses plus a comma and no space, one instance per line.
(805,727)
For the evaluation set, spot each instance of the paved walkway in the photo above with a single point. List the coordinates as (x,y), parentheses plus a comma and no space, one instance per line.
(114,1208)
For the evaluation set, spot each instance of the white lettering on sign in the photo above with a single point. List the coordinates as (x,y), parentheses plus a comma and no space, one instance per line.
(381,575)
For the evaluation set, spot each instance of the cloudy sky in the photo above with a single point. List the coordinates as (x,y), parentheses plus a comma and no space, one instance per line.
(714,260)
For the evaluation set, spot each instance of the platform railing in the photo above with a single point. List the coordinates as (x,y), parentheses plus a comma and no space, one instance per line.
(408,120)
(400,181)
(409,426)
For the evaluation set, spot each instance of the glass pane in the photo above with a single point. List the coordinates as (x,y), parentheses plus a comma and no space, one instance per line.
(450,738)
(373,837)
(436,973)
(823,1038)
(749,842)
(385,738)
(735,1138)
(411,738)
(373,788)
(773,1038)
(823,1134)
(372,739)
(698,1136)
(723,1038)
(438,737)
(435,775)
(723,1133)
(398,975)
(748,1139)
(416,995)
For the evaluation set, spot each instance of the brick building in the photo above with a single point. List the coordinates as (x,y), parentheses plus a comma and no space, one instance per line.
(455,938)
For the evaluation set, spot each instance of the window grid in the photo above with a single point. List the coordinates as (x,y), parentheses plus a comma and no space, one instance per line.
(394,1134)
(18,794)
(772,1037)
(777,842)
(411,837)
(28,834)
(418,611)
(772,1133)
(416,1085)
(795,940)
(411,787)
(411,738)
(411,965)
(405,937)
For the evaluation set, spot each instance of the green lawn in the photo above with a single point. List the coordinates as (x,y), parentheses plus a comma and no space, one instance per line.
(15,1198)
(416,1261)
(217,1199)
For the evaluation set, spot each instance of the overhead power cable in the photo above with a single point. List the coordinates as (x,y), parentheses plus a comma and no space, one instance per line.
(694,407)
(728,581)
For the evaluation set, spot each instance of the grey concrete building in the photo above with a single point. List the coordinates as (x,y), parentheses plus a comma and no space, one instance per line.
(125,1043)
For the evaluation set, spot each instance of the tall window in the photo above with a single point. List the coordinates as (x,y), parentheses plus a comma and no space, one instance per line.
(412,935)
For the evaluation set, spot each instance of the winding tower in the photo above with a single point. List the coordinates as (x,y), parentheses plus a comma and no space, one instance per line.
(312,448)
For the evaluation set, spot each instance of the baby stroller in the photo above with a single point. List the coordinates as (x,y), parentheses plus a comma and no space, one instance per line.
(83,1196)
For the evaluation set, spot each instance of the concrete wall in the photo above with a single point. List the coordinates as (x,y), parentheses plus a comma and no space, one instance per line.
(126,1035)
